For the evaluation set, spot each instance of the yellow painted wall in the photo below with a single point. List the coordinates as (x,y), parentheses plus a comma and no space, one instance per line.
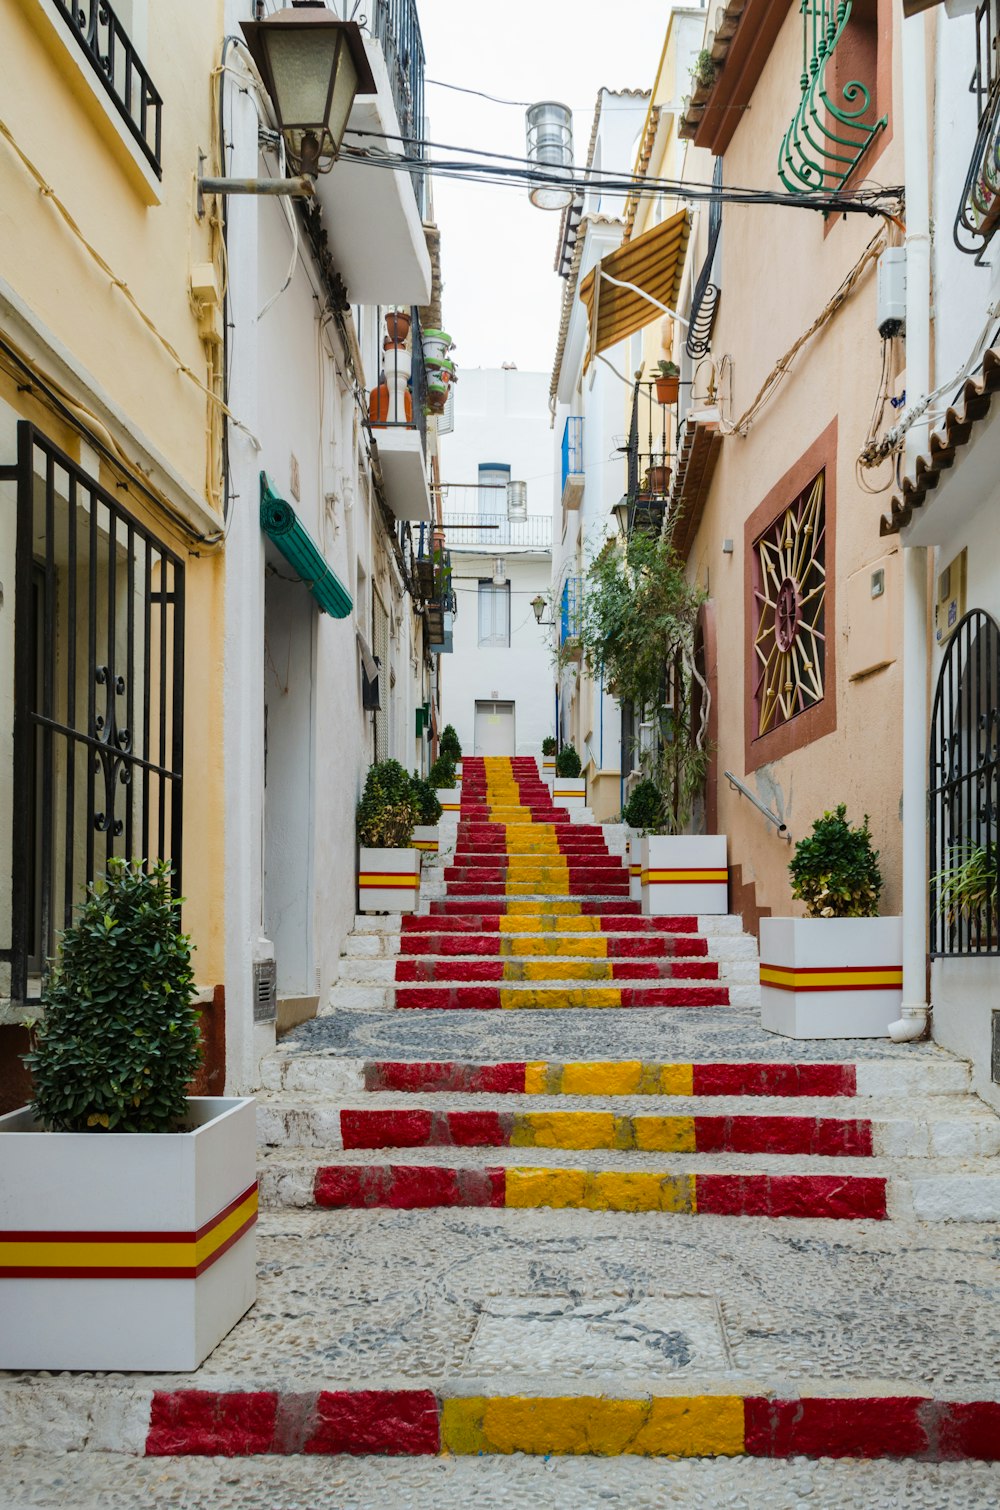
(47,106)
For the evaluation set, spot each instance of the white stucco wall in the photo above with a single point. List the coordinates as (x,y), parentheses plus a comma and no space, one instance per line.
(501,416)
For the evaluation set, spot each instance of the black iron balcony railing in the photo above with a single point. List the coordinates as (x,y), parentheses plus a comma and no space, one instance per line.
(109,51)
(979,207)
(649,456)
(394,23)
(490,531)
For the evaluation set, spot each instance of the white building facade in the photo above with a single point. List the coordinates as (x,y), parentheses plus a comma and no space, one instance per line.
(498,688)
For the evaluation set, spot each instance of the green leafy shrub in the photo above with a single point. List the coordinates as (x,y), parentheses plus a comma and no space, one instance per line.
(388,808)
(835,871)
(428,806)
(442,773)
(449,744)
(668,369)
(120,1040)
(549,745)
(704,69)
(568,762)
(644,808)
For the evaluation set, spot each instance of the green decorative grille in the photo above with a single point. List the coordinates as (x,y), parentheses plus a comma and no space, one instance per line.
(828,133)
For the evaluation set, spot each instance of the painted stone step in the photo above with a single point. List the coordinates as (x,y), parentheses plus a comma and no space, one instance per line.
(733,1184)
(468,920)
(529,997)
(328,1074)
(607,891)
(482,907)
(831,1127)
(590,945)
(601,970)
(872,1421)
(406,1186)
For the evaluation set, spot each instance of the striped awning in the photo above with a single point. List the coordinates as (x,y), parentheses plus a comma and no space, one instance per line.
(653,263)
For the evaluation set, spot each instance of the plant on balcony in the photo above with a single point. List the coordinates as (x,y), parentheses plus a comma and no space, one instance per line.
(668,382)
(568,762)
(637,622)
(704,70)
(388,808)
(644,808)
(549,745)
(835,870)
(425,797)
(397,325)
(442,774)
(966,890)
(120,1040)
(449,743)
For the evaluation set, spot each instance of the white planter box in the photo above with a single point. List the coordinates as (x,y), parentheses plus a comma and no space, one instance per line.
(684,874)
(458,770)
(450,798)
(388,880)
(426,838)
(547,767)
(123,1251)
(569,791)
(830,977)
(633,862)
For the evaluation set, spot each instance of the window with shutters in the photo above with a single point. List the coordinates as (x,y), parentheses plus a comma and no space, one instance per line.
(494,614)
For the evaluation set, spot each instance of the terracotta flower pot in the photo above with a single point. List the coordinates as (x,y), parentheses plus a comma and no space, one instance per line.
(667,389)
(397,323)
(658,479)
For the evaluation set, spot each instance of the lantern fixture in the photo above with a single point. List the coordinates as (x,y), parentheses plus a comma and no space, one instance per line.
(538,607)
(312,65)
(517,502)
(499,571)
(621,513)
(549,130)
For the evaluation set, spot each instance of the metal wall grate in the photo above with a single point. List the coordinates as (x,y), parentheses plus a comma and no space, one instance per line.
(98,701)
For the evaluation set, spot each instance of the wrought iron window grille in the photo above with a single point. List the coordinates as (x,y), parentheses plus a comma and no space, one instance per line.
(978,212)
(98,698)
(789,602)
(112,55)
(396,26)
(649,454)
(964,791)
(827,136)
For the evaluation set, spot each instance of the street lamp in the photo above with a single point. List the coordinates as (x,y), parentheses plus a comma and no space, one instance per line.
(621,513)
(538,606)
(312,65)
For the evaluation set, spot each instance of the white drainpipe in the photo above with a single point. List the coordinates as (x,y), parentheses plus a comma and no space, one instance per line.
(916,144)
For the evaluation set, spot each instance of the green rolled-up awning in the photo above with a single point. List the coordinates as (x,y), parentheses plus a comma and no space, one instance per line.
(281,524)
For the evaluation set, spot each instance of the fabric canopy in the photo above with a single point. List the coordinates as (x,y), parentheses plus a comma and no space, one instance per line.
(654,262)
(281,524)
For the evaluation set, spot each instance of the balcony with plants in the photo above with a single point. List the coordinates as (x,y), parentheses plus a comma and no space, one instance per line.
(649,452)
(398,408)
(432,588)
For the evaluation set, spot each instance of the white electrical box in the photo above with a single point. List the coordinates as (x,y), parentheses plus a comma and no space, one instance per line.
(891,292)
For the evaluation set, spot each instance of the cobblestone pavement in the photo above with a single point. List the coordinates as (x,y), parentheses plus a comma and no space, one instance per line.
(100,1481)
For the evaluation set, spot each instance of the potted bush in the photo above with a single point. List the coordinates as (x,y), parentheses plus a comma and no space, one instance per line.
(642,814)
(388,864)
(443,778)
(425,831)
(547,762)
(668,383)
(837,972)
(451,746)
(127,1207)
(570,788)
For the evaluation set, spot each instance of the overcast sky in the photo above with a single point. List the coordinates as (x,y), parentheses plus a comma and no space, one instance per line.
(501,294)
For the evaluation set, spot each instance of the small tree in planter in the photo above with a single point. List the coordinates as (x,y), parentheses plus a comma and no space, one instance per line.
(442,776)
(389,865)
(547,759)
(549,745)
(450,745)
(113,1144)
(569,788)
(642,814)
(120,1041)
(425,832)
(837,972)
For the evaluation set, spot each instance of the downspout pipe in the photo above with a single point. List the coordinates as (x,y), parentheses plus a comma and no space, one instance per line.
(914,1021)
